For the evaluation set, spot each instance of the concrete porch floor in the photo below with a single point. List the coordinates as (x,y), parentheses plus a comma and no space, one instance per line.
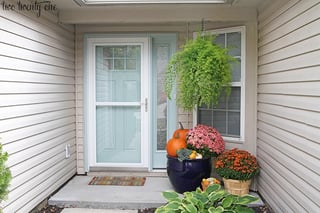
(78,194)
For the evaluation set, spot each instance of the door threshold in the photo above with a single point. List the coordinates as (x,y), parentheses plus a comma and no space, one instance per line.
(154,173)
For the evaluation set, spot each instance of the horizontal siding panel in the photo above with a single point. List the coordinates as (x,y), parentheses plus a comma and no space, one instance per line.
(25,88)
(62,177)
(294,17)
(285,201)
(80,133)
(18,24)
(27,43)
(47,23)
(311,163)
(33,66)
(27,110)
(295,36)
(29,33)
(300,88)
(33,77)
(288,181)
(28,131)
(300,61)
(298,75)
(30,55)
(288,106)
(31,152)
(33,140)
(24,99)
(16,123)
(48,181)
(268,192)
(37,169)
(306,103)
(308,132)
(308,45)
(37,108)
(291,138)
(79,82)
(301,116)
(20,169)
(271,13)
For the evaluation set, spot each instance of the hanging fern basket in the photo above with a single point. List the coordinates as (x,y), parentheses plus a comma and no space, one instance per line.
(202,72)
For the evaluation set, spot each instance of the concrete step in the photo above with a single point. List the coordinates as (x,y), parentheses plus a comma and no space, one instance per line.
(77,193)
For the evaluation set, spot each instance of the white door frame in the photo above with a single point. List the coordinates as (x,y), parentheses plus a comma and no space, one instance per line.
(144,42)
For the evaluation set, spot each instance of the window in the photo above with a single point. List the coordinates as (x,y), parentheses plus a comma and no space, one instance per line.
(228,116)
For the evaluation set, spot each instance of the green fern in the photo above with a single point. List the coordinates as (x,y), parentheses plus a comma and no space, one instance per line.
(202,71)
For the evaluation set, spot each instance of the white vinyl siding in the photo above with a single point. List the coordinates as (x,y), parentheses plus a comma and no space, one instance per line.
(37,105)
(288,106)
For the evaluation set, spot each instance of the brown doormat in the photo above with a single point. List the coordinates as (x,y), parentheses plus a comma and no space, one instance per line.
(118,181)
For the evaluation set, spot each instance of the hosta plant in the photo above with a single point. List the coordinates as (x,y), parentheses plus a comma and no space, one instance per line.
(212,200)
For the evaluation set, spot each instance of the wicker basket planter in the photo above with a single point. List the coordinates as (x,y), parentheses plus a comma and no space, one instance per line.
(237,187)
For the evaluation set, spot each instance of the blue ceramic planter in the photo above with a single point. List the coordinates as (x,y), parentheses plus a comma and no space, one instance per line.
(187,175)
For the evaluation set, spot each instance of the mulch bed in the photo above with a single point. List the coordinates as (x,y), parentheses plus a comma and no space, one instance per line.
(261,209)
(50,209)
(55,209)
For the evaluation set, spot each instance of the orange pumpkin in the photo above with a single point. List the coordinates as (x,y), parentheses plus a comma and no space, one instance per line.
(174,144)
(181,133)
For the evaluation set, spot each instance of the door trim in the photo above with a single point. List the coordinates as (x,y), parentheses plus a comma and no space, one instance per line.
(91,43)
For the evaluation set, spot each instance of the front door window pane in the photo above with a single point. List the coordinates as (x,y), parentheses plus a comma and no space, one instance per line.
(161,56)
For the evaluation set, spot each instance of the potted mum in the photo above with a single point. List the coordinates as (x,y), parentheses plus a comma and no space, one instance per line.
(237,168)
(194,162)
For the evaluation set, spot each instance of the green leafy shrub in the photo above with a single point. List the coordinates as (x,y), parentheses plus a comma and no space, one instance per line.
(5,175)
(212,200)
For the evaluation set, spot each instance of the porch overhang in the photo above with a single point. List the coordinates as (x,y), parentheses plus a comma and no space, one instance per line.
(112,2)
(163,13)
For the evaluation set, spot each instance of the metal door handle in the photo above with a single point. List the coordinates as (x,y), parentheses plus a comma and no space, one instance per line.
(146,104)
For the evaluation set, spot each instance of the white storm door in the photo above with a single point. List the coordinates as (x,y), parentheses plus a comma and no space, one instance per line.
(120,93)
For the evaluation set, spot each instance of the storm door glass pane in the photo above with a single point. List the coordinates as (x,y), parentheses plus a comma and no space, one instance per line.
(118,108)
(118,73)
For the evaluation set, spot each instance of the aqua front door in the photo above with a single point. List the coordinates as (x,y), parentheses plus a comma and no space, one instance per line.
(119,83)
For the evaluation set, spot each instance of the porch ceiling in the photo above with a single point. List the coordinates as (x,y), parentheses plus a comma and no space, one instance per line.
(233,10)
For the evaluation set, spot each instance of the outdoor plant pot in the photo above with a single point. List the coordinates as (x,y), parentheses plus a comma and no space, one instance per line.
(237,187)
(187,175)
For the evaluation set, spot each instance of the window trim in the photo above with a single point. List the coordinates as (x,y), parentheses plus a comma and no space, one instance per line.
(242,30)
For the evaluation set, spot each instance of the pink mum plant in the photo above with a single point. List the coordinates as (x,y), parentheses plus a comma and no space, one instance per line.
(205,140)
